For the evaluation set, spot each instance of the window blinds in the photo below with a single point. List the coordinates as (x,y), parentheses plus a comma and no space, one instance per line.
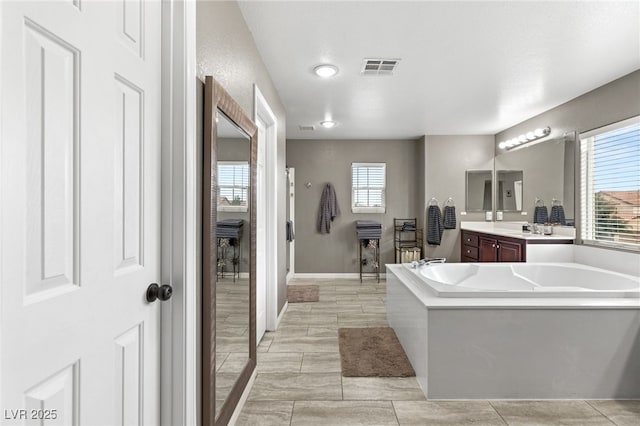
(610,185)
(368,184)
(233,183)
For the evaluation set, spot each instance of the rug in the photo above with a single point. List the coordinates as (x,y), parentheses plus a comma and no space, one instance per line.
(302,293)
(372,352)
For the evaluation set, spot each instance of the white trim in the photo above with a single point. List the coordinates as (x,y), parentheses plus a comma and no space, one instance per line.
(238,209)
(180,216)
(282,312)
(368,209)
(263,112)
(243,398)
(348,276)
(289,276)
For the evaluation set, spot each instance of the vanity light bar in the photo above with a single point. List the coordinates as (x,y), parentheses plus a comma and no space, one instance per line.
(525,138)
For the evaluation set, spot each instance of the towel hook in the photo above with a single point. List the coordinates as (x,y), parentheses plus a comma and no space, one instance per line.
(450,202)
(308,185)
(433,201)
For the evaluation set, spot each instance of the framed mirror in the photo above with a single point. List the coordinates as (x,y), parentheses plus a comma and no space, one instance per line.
(478,190)
(549,170)
(228,253)
(509,185)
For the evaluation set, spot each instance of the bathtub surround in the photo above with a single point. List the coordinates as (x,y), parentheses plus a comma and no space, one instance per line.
(509,348)
(372,352)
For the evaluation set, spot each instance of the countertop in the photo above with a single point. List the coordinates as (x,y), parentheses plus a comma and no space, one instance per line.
(514,230)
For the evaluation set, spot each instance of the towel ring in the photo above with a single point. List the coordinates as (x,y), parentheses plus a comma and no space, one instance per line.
(556,202)
(539,202)
(450,202)
(433,201)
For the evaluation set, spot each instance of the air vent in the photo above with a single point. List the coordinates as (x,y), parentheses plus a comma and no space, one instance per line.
(379,66)
(307,128)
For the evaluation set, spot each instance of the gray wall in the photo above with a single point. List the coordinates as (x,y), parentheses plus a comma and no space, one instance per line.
(323,161)
(448,157)
(226,50)
(607,104)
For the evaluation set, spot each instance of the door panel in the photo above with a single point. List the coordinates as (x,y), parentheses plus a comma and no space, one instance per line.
(487,250)
(509,252)
(79,196)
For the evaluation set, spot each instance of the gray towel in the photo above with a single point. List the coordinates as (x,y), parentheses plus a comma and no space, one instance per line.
(540,214)
(434,225)
(557,215)
(449,221)
(328,209)
(290,235)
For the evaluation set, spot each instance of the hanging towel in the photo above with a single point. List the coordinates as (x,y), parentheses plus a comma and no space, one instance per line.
(434,225)
(557,215)
(540,214)
(290,234)
(449,221)
(328,209)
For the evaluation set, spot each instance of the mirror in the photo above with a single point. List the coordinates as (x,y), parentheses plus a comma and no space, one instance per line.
(233,148)
(479,189)
(228,254)
(509,190)
(548,167)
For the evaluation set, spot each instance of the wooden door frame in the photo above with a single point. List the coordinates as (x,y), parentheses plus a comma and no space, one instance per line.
(180,228)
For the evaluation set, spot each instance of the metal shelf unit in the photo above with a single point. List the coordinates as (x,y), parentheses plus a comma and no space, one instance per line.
(407,240)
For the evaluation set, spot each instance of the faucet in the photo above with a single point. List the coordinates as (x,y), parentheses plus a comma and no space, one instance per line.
(430,260)
(427,261)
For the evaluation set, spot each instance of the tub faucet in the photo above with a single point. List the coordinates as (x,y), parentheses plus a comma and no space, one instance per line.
(430,260)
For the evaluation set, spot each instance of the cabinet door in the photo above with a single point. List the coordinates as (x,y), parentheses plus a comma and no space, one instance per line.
(509,252)
(488,250)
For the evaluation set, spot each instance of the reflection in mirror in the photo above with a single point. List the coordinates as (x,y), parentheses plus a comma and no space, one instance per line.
(549,167)
(509,190)
(478,190)
(232,284)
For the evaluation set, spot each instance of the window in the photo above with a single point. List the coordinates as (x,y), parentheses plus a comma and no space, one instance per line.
(368,183)
(233,185)
(610,185)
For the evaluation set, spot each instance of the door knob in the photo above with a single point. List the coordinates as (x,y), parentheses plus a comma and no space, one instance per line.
(154,291)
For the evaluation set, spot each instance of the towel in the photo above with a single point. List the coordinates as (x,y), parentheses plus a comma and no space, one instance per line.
(328,209)
(408,227)
(449,221)
(290,235)
(434,225)
(557,215)
(540,214)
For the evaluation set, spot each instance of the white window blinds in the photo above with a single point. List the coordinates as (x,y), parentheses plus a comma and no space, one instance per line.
(368,182)
(610,185)
(233,185)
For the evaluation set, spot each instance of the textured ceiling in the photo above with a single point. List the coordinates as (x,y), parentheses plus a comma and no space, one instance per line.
(466,67)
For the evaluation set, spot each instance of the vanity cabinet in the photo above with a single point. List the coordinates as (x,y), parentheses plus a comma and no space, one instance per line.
(479,247)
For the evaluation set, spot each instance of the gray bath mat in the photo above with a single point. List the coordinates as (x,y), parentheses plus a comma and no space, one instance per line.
(302,293)
(372,352)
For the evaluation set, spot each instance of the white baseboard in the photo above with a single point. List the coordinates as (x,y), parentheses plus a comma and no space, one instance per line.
(282,312)
(289,276)
(346,276)
(243,398)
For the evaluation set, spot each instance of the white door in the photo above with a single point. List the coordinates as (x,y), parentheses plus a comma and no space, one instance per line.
(80,202)
(261,236)
(291,181)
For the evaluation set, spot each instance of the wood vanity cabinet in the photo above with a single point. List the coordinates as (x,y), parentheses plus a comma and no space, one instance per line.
(478,247)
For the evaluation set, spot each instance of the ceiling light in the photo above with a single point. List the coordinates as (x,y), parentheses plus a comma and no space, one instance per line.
(525,138)
(328,124)
(325,70)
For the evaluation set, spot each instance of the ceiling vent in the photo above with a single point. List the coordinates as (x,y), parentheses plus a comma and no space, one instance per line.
(307,128)
(379,66)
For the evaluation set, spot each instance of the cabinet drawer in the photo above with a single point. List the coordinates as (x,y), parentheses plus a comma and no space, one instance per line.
(470,252)
(470,240)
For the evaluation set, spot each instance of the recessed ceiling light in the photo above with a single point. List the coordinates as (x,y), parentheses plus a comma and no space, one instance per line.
(328,124)
(325,70)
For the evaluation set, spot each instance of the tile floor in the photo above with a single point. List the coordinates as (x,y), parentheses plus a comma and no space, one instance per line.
(298,378)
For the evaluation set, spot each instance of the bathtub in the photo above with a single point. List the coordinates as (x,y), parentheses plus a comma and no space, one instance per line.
(518,330)
(535,280)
